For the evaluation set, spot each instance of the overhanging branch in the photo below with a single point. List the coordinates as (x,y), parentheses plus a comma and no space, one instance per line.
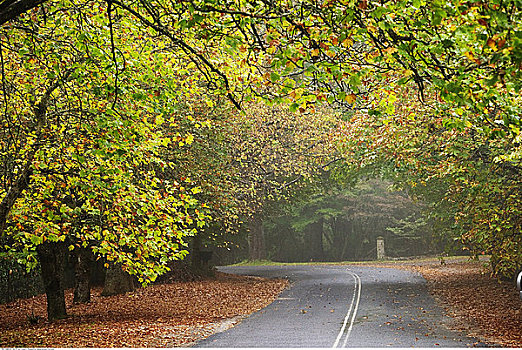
(158,27)
(10,9)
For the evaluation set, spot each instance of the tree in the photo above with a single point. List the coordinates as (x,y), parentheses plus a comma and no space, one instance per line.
(463,58)
(337,222)
(11,9)
(460,173)
(274,152)
(81,148)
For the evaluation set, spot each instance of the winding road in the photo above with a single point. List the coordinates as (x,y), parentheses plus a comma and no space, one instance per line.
(342,306)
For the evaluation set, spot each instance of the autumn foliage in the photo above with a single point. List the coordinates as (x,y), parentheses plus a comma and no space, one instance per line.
(128,127)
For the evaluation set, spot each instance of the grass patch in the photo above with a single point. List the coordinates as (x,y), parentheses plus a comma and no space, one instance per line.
(401,261)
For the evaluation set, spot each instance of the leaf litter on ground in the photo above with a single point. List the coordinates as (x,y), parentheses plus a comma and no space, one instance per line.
(164,315)
(179,313)
(480,305)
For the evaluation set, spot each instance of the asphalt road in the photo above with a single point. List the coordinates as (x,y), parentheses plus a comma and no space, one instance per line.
(343,306)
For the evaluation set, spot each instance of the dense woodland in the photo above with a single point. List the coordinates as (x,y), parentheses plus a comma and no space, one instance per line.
(135,131)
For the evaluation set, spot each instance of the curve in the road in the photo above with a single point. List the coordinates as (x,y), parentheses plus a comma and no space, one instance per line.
(352,306)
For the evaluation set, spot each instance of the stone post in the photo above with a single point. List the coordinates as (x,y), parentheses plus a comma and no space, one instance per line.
(380,248)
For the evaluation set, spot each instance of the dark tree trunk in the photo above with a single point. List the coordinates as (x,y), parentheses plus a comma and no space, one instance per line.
(52,261)
(118,281)
(98,271)
(348,237)
(256,238)
(200,259)
(82,275)
(195,261)
(315,236)
(338,238)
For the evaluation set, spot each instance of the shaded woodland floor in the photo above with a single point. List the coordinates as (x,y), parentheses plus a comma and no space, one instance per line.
(165,315)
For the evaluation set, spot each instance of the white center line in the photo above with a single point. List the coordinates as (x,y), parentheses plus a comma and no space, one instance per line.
(354,311)
(354,305)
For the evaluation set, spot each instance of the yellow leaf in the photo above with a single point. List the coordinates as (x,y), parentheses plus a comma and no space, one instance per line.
(471,57)
(350,98)
(347,42)
(298,93)
(492,44)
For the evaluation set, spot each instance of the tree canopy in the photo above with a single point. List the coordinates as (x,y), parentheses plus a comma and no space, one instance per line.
(130,125)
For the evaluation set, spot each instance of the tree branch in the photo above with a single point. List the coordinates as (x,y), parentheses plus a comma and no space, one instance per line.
(158,27)
(23,180)
(10,9)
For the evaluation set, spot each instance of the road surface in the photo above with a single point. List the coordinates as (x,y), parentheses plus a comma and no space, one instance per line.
(342,306)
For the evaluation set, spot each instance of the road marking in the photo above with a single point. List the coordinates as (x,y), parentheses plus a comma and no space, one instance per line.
(354,306)
(354,311)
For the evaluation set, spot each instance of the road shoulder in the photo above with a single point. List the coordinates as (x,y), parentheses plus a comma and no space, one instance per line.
(479,305)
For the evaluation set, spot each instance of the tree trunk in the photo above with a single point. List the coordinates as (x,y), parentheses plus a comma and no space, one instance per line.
(315,232)
(82,275)
(200,259)
(195,261)
(52,261)
(348,237)
(256,238)
(117,281)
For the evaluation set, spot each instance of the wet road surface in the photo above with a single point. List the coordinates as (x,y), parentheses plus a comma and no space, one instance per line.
(342,306)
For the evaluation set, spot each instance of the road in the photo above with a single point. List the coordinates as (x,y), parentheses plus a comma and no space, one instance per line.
(342,306)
